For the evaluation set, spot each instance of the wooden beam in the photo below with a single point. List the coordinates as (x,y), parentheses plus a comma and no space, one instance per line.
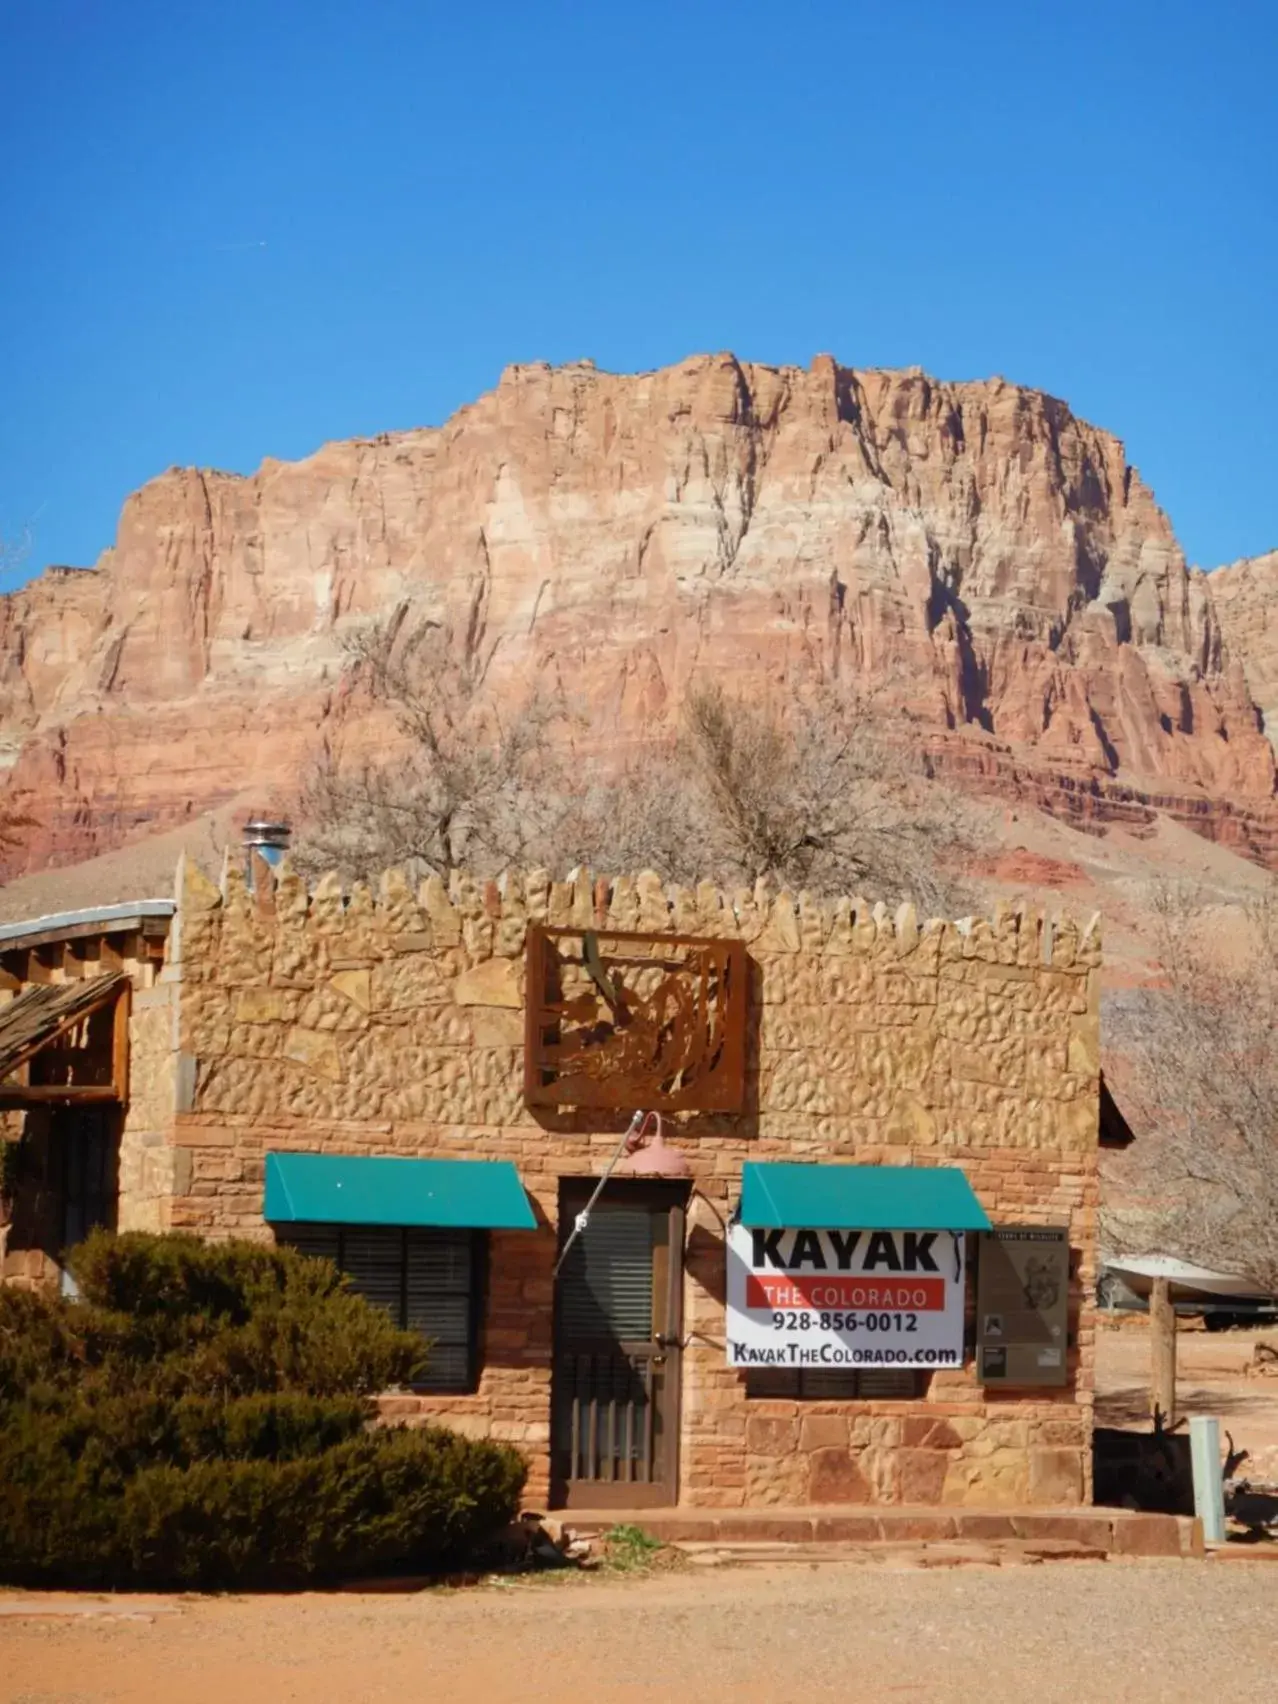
(59,1094)
(72,957)
(1162,1351)
(37,967)
(120,1044)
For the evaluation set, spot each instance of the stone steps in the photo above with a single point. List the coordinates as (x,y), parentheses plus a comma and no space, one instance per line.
(1105,1532)
(945,1553)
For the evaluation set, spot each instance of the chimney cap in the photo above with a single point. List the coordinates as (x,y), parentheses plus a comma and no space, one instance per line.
(263,831)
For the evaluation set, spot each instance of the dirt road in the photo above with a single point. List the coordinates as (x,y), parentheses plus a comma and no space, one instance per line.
(1067,1633)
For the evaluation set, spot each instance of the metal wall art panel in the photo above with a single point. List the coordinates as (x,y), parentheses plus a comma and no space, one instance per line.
(624,1020)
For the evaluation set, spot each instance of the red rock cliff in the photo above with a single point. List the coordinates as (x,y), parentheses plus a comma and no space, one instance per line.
(973,541)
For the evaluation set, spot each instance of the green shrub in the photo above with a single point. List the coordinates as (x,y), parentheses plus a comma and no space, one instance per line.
(200,1418)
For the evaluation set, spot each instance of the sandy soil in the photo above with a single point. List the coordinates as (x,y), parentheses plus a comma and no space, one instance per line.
(1210,1379)
(1080,1633)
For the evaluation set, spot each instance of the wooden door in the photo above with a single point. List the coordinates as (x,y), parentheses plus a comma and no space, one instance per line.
(618,1349)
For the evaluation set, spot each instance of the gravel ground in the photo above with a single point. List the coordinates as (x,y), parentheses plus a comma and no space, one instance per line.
(1080,1633)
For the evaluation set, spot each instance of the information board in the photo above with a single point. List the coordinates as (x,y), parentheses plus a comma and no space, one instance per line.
(824,1298)
(1022,1305)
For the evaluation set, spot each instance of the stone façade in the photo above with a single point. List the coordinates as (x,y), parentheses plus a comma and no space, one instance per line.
(391,1023)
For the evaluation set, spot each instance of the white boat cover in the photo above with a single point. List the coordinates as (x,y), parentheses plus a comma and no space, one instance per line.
(1139,1271)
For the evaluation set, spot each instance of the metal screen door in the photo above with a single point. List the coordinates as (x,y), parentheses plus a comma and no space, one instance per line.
(618,1324)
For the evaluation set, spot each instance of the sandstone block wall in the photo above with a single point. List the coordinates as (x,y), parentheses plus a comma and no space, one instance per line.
(151,1167)
(391,1023)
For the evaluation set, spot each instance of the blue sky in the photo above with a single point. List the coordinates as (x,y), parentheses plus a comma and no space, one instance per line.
(240,230)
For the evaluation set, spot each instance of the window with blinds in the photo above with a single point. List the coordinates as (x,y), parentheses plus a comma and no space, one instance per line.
(865,1384)
(428,1281)
(605,1285)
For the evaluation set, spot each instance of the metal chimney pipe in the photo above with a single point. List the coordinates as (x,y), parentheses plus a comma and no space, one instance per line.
(268,839)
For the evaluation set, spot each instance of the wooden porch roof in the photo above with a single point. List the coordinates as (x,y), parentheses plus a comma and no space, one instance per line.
(42,1013)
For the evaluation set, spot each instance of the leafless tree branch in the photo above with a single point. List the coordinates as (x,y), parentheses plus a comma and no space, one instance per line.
(809,795)
(468,783)
(1199,1059)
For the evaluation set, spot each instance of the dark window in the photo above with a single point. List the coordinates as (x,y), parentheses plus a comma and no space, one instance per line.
(428,1281)
(83,1159)
(866,1384)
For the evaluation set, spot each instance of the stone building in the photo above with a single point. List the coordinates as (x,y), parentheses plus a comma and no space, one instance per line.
(806,1289)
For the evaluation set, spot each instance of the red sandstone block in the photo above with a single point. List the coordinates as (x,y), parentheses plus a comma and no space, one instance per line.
(916,1524)
(768,1529)
(1064,1433)
(928,1431)
(1093,1527)
(847,1529)
(1148,1535)
(922,1475)
(984,1526)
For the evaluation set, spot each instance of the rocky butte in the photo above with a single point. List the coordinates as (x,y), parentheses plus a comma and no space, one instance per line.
(988,561)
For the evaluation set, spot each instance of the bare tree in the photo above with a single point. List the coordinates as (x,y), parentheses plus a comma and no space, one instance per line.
(467,781)
(1197,1060)
(807,795)
(810,795)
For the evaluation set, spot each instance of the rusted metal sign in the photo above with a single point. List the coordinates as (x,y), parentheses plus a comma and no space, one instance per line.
(624,1020)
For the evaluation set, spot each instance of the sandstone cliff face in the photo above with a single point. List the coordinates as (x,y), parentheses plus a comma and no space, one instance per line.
(1245,596)
(988,559)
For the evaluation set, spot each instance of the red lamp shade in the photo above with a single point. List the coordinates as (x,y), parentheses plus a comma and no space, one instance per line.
(652,1157)
(656,1159)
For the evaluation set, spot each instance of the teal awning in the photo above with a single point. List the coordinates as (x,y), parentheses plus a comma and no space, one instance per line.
(346,1189)
(862,1198)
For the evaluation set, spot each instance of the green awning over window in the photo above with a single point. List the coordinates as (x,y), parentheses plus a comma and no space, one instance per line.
(345,1189)
(862,1198)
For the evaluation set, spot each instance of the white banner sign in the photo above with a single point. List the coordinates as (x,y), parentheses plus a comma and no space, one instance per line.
(805,1298)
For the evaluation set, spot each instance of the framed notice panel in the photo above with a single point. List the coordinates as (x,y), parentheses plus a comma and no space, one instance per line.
(1022,1305)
